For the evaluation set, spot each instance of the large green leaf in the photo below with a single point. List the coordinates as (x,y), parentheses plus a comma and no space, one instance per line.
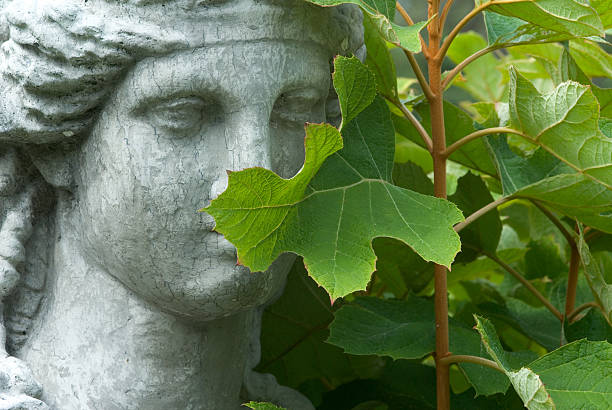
(572,17)
(604,10)
(355,85)
(332,218)
(578,375)
(396,328)
(593,326)
(458,124)
(294,330)
(526,383)
(381,13)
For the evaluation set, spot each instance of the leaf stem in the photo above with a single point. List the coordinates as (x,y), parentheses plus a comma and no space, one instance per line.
(572,316)
(455,71)
(524,282)
(444,14)
(568,236)
(419,75)
(415,123)
(457,29)
(482,211)
(477,134)
(460,358)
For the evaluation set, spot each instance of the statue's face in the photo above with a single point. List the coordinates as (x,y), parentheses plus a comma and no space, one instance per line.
(160,152)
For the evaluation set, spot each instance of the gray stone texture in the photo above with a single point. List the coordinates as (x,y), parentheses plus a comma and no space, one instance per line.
(118,121)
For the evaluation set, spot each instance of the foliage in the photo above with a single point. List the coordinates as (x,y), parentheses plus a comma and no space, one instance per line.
(511,187)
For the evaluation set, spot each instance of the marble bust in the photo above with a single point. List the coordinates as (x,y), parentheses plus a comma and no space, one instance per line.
(118,121)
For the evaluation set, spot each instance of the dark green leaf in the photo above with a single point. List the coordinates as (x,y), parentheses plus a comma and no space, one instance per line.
(262,406)
(593,326)
(379,60)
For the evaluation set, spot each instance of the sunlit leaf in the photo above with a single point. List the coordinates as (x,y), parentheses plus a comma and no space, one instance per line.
(355,85)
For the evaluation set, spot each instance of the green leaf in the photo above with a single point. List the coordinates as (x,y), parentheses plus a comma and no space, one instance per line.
(480,78)
(543,259)
(484,233)
(578,375)
(294,330)
(458,124)
(604,10)
(331,220)
(355,85)
(381,14)
(526,383)
(379,60)
(571,70)
(572,17)
(601,290)
(262,406)
(591,58)
(395,328)
(564,123)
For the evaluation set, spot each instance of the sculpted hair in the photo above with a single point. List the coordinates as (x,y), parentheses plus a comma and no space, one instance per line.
(60,60)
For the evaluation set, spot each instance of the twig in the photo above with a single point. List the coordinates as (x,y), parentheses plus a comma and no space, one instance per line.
(419,127)
(455,71)
(444,14)
(482,211)
(457,29)
(477,134)
(460,358)
(581,308)
(523,281)
(419,75)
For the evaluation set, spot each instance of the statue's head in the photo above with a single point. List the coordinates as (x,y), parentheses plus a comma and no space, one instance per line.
(129,113)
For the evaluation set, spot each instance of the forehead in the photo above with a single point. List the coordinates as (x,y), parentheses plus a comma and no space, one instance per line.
(257,70)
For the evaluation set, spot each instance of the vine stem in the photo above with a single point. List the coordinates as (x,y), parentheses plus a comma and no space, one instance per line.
(478,134)
(444,14)
(441,52)
(482,211)
(402,11)
(524,282)
(568,236)
(415,123)
(459,67)
(459,358)
(436,108)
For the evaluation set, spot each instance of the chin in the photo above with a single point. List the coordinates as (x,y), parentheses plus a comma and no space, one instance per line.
(218,289)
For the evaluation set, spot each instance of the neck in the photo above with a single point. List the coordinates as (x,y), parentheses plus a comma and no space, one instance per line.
(99,345)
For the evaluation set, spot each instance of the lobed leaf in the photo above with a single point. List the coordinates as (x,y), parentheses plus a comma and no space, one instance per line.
(331,219)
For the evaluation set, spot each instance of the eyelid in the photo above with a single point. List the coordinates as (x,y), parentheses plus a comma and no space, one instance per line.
(180,116)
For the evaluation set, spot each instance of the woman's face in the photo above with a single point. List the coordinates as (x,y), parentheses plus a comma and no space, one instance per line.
(160,152)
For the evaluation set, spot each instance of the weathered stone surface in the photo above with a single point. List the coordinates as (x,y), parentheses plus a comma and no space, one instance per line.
(118,121)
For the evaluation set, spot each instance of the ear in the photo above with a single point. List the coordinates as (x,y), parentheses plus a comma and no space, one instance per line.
(56,163)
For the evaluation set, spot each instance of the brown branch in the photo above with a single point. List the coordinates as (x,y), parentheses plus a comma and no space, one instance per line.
(459,358)
(455,71)
(416,124)
(482,211)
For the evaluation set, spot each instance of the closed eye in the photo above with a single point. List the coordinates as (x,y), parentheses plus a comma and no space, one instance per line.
(182,117)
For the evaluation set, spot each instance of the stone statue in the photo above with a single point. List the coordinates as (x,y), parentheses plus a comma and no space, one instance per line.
(118,121)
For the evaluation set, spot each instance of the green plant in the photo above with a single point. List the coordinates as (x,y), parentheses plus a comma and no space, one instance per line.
(528,161)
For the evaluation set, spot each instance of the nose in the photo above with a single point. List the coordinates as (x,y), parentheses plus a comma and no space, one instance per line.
(248,142)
